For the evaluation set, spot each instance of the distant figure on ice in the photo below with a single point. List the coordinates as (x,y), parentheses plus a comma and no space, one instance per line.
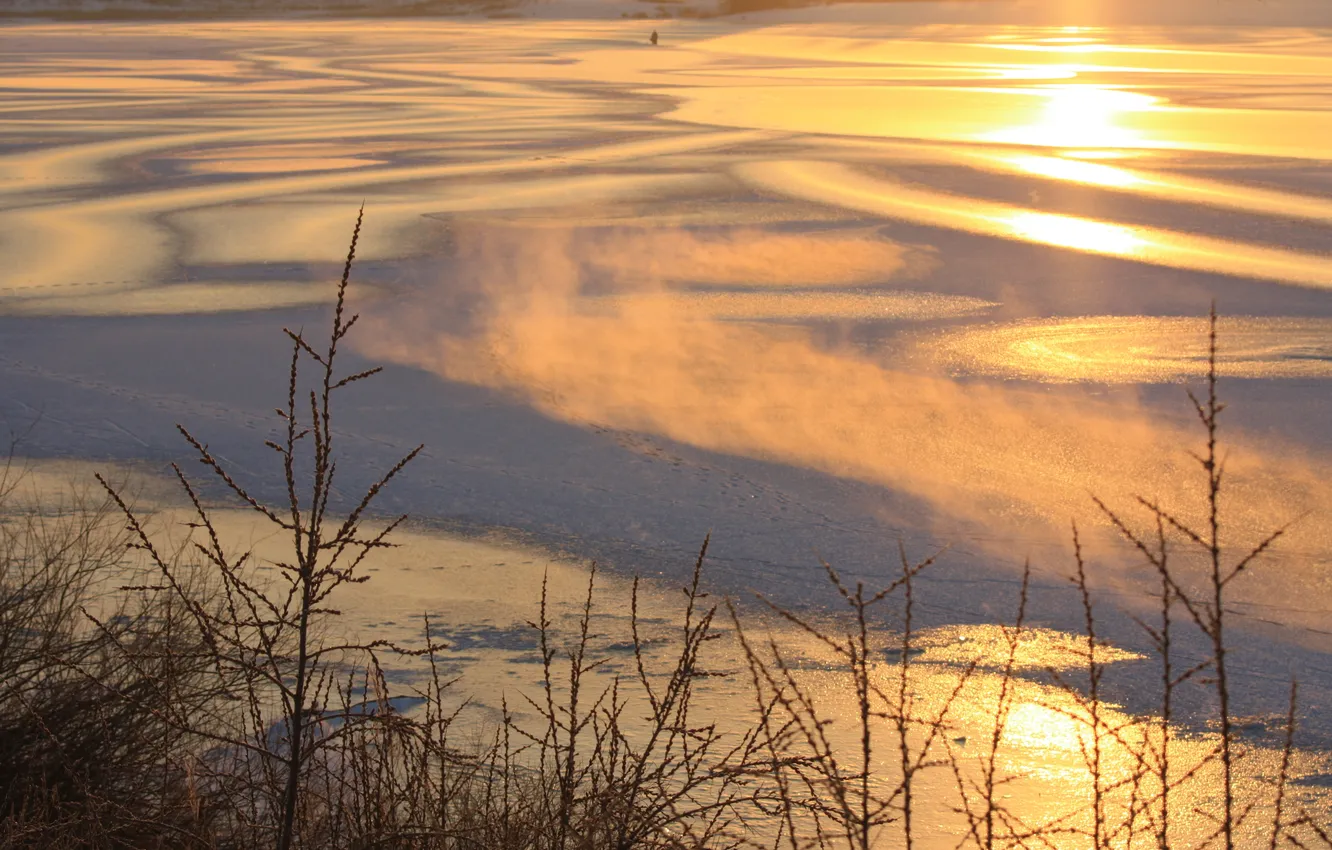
(653,38)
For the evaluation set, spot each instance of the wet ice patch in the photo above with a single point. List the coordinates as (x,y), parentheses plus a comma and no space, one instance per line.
(111,299)
(1136,349)
(752,256)
(867,305)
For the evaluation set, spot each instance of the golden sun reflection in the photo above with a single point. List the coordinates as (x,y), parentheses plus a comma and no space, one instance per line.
(1081,116)
(1068,232)
(1060,761)
(855,189)
(1099,154)
(1039,726)
(1077,171)
(1137,349)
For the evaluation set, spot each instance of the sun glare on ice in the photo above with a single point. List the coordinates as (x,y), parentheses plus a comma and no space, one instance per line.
(1080,116)
(1070,232)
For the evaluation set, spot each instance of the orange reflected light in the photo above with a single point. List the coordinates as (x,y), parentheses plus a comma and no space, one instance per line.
(1096,154)
(1033,72)
(1076,171)
(1067,232)
(1037,726)
(1081,116)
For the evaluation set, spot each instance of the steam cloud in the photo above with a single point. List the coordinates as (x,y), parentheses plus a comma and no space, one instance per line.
(1003,458)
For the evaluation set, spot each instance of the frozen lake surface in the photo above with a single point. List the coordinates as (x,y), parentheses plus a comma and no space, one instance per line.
(811,286)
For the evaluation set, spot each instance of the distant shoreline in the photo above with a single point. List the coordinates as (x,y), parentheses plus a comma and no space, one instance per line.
(171,10)
(112,11)
(1251,13)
